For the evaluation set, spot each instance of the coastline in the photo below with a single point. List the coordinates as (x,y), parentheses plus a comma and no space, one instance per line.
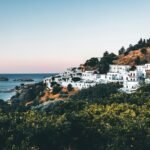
(8,88)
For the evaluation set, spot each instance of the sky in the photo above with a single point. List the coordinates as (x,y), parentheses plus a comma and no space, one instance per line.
(43,36)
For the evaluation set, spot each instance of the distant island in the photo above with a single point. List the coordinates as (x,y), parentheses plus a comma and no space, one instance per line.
(24,80)
(4,79)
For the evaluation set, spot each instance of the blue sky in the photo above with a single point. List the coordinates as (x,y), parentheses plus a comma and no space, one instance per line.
(51,35)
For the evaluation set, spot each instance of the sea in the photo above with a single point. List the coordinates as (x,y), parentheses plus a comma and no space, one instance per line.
(7,86)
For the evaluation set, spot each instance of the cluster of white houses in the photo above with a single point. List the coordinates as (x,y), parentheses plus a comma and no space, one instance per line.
(131,79)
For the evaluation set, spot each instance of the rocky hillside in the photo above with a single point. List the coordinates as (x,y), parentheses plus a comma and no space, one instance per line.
(137,54)
(136,57)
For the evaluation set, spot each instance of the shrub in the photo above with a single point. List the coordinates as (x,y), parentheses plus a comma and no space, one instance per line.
(69,87)
(56,89)
(143,51)
(76,79)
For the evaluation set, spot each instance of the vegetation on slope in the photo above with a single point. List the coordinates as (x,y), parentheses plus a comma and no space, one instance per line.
(101,66)
(97,92)
(137,54)
(97,118)
(117,121)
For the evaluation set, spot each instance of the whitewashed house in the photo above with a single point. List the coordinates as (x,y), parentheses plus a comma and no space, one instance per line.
(101,78)
(114,77)
(118,68)
(131,80)
(141,70)
(147,66)
(89,76)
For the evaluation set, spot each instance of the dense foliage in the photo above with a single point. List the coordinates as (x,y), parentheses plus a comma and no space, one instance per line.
(105,61)
(92,62)
(86,127)
(69,87)
(103,65)
(56,89)
(114,121)
(97,92)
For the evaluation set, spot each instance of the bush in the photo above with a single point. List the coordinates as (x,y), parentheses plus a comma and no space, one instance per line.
(97,92)
(76,79)
(143,51)
(77,126)
(56,89)
(63,95)
(69,87)
(92,62)
(53,84)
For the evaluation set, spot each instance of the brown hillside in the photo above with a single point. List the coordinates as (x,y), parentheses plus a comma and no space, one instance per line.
(132,56)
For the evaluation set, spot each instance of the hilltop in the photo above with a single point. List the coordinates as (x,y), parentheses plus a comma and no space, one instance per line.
(135,57)
(137,54)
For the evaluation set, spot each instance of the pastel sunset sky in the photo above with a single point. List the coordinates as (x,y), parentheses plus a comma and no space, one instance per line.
(51,35)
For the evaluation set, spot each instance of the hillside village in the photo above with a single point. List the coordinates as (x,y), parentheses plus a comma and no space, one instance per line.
(131,69)
(130,78)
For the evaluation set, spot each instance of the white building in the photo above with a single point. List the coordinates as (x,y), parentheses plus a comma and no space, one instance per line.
(89,76)
(114,77)
(131,80)
(147,66)
(119,68)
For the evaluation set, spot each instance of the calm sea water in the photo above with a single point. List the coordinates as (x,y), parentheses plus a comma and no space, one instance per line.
(6,86)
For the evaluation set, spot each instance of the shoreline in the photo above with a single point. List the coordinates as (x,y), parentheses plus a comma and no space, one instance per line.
(8,88)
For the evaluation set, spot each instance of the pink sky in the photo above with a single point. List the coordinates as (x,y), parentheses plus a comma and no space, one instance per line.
(35,66)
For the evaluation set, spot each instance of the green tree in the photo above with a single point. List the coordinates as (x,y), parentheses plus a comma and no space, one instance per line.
(56,89)
(103,67)
(105,54)
(92,62)
(138,60)
(76,79)
(105,61)
(69,87)
(121,51)
(143,51)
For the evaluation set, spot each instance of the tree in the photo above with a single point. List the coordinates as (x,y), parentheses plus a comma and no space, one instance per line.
(130,48)
(92,62)
(105,54)
(76,79)
(69,87)
(140,42)
(56,89)
(143,51)
(138,60)
(103,68)
(105,61)
(121,51)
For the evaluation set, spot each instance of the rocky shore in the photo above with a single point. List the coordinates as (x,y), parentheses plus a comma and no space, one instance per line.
(26,93)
